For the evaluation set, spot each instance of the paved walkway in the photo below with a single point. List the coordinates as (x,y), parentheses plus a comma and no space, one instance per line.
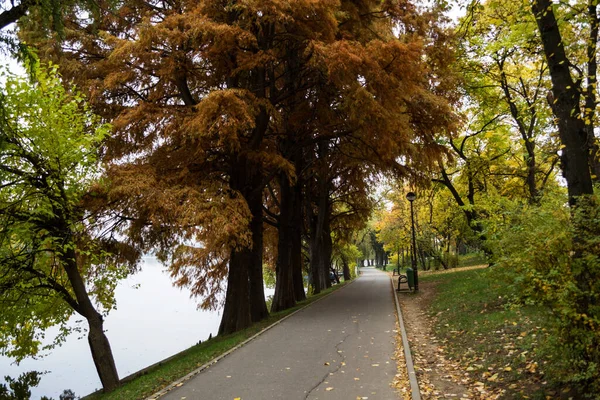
(338,348)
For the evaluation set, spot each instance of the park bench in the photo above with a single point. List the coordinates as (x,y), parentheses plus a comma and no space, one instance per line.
(409,280)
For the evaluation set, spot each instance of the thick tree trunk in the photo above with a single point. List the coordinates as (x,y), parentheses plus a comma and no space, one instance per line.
(297,225)
(315,261)
(297,276)
(289,260)
(245,298)
(236,313)
(258,305)
(319,258)
(566,107)
(284,286)
(327,251)
(590,94)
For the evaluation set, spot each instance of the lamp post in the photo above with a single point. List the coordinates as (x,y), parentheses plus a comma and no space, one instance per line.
(411,196)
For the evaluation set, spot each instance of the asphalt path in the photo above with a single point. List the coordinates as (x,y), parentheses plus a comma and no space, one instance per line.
(338,348)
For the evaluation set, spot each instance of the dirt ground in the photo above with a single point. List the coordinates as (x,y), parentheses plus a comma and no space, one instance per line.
(438,377)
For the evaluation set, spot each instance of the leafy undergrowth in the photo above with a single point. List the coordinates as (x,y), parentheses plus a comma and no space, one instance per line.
(500,346)
(194,357)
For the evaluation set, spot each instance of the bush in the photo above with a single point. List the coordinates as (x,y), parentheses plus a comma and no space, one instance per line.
(552,258)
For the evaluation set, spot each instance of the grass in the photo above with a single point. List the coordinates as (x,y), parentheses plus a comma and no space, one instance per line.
(185,362)
(471,259)
(499,343)
(467,260)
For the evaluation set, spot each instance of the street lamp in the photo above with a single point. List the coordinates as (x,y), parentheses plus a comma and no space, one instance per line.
(411,196)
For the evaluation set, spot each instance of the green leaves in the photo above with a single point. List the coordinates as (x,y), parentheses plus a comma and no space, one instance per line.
(48,159)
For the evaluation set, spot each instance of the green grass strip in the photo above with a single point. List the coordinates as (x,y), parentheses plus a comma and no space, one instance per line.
(495,340)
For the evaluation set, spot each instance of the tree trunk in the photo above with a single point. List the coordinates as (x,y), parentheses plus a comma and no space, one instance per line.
(254,256)
(327,245)
(245,298)
(98,342)
(565,106)
(296,231)
(284,286)
(346,270)
(527,134)
(102,353)
(315,255)
(319,261)
(297,275)
(590,94)
(236,313)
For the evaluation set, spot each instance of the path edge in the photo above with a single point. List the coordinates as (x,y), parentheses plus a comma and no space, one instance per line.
(412,376)
(179,382)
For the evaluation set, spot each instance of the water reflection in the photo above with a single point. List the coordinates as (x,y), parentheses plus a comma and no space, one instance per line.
(151,323)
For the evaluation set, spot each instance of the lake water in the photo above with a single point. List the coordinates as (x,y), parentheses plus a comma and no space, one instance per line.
(151,323)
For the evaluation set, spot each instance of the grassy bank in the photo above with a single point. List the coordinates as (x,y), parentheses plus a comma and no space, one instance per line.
(500,345)
(467,260)
(185,362)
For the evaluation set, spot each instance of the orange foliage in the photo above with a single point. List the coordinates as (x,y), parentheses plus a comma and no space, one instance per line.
(193,87)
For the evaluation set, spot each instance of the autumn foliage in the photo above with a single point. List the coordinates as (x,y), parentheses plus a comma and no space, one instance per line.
(212,103)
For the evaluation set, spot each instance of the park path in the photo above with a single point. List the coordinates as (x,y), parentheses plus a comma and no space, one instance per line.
(338,348)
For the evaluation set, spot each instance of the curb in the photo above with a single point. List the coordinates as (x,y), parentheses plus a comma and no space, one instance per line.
(412,376)
(179,382)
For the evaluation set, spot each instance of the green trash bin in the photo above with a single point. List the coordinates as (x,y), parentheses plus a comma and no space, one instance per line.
(410,275)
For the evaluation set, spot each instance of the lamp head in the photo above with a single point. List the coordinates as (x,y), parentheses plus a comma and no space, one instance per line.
(411,196)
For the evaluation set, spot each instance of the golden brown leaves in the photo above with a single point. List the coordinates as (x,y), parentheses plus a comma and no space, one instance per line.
(195,227)
(223,116)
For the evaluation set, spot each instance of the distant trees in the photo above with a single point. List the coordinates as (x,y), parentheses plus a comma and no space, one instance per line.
(53,261)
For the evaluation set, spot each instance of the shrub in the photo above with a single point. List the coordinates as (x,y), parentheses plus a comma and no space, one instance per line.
(550,254)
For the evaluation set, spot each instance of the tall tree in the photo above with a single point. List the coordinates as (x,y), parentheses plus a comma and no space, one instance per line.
(198,93)
(572,106)
(52,263)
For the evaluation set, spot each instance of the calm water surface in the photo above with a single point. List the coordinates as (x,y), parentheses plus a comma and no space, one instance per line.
(151,323)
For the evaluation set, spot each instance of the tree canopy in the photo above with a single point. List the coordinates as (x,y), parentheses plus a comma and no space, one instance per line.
(53,258)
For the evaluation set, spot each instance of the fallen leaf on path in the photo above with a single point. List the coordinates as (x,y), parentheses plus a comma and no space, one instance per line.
(374,365)
(329,389)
